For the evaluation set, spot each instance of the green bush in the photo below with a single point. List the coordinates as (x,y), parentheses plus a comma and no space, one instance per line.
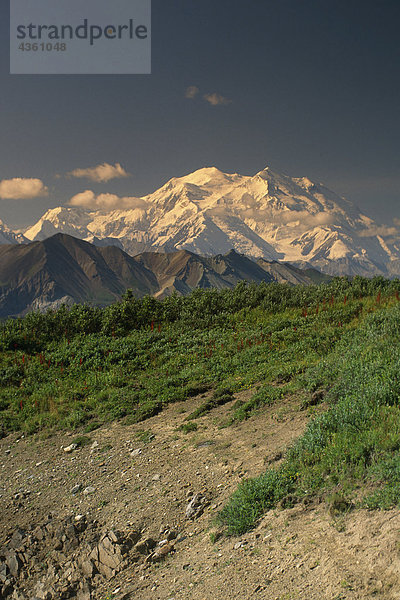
(188,427)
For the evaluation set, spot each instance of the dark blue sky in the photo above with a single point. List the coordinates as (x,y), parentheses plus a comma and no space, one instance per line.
(314,89)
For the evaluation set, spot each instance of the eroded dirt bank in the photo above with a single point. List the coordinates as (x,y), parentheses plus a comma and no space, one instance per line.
(110,519)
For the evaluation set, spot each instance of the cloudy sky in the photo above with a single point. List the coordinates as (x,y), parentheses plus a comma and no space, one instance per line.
(307,87)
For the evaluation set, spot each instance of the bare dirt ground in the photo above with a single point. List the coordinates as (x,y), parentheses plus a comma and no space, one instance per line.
(142,477)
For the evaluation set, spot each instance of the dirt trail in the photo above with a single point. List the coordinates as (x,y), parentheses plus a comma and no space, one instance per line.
(143,476)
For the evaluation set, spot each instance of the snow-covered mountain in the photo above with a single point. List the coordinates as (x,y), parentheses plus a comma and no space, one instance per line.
(267,215)
(7,236)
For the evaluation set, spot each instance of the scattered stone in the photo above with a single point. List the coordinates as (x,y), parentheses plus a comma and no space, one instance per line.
(76,555)
(136,452)
(108,555)
(42,593)
(156,477)
(238,545)
(17,539)
(88,568)
(76,489)
(89,490)
(70,448)
(161,553)
(14,563)
(4,571)
(196,506)
(79,518)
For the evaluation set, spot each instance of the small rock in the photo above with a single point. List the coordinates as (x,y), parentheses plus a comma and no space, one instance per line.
(14,563)
(17,539)
(196,506)
(160,553)
(4,571)
(77,488)
(88,568)
(70,448)
(156,477)
(136,452)
(89,490)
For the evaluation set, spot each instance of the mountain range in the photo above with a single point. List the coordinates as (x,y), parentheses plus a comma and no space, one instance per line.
(63,269)
(208,212)
(7,236)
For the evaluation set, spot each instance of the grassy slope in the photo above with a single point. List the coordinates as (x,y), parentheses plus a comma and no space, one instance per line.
(278,339)
(350,450)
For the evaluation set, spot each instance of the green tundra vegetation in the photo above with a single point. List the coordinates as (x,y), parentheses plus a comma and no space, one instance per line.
(80,367)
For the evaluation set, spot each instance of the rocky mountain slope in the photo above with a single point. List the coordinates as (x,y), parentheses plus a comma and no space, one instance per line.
(131,516)
(268,215)
(62,268)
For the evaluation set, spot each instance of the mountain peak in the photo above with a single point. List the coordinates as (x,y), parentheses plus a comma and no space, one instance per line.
(267,174)
(209,175)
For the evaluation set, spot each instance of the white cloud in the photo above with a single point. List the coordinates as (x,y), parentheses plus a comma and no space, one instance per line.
(216,99)
(88,199)
(101,173)
(21,188)
(382,230)
(291,218)
(191,92)
(320,219)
